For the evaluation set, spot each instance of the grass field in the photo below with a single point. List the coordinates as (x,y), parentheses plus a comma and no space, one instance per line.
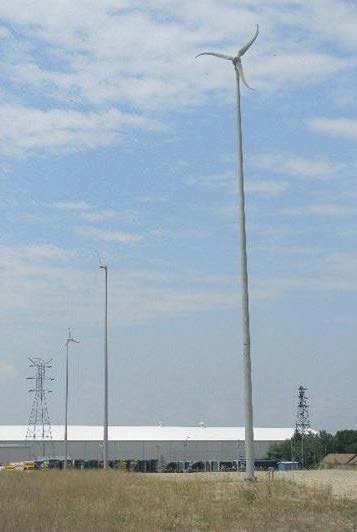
(99,500)
(342,482)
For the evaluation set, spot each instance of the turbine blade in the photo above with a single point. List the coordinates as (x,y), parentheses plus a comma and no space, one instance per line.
(221,56)
(242,51)
(241,75)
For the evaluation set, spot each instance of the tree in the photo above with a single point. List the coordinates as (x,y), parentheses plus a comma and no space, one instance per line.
(327,441)
(316,446)
(345,441)
(281,451)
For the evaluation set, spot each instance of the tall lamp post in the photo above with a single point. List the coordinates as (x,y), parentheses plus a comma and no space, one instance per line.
(105,425)
(248,401)
(68,341)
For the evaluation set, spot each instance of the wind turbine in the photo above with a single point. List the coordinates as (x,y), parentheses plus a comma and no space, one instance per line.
(248,401)
(105,424)
(68,341)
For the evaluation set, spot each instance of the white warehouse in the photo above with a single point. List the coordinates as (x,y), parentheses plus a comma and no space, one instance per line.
(140,443)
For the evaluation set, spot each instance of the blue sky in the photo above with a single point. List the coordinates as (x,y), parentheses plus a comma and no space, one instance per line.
(115,141)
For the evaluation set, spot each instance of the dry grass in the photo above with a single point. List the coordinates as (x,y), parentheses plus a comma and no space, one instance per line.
(342,482)
(99,501)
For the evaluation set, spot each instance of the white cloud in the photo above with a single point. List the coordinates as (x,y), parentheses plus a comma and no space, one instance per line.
(268,187)
(142,56)
(322,209)
(5,171)
(27,130)
(152,199)
(34,252)
(218,180)
(295,165)
(344,97)
(91,213)
(343,266)
(336,272)
(69,205)
(291,69)
(228,180)
(7,371)
(121,237)
(99,215)
(128,215)
(334,21)
(43,289)
(100,59)
(4,33)
(334,127)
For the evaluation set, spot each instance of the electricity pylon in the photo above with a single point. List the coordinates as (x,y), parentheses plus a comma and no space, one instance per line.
(303,423)
(39,425)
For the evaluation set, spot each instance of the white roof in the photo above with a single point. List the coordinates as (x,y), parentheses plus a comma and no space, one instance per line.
(154,433)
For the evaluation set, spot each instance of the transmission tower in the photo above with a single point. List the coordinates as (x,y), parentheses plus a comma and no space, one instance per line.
(303,423)
(39,425)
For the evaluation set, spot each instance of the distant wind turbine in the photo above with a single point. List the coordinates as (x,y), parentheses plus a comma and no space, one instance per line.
(68,341)
(104,267)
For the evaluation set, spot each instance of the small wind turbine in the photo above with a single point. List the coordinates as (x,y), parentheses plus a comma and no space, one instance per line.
(68,341)
(248,401)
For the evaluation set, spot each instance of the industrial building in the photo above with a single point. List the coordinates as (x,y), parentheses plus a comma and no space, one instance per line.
(140,443)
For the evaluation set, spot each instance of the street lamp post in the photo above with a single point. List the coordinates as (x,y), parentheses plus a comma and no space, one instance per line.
(68,341)
(248,401)
(105,425)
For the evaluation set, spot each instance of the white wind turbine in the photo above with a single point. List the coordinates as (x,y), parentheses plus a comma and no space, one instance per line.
(248,401)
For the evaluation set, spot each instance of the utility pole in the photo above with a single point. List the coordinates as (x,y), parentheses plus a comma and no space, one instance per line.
(248,400)
(39,425)
(105,425)
(303,423)
(68,341)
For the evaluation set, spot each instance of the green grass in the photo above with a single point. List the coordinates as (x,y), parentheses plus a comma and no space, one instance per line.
(99,500)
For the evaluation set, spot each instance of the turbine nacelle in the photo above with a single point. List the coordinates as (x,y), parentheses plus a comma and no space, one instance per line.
(236,60)
(71,339)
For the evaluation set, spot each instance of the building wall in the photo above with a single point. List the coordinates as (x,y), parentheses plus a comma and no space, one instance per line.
(141,450)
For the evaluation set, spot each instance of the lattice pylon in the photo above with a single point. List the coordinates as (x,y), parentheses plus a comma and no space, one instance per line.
(39,425)
(303,423)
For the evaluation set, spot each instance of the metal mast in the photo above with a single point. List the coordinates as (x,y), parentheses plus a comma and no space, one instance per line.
(105,424)
(303,423)
(68,341)
(39,425)
(248,400)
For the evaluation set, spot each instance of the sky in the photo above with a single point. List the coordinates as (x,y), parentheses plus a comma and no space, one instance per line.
(117,144)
